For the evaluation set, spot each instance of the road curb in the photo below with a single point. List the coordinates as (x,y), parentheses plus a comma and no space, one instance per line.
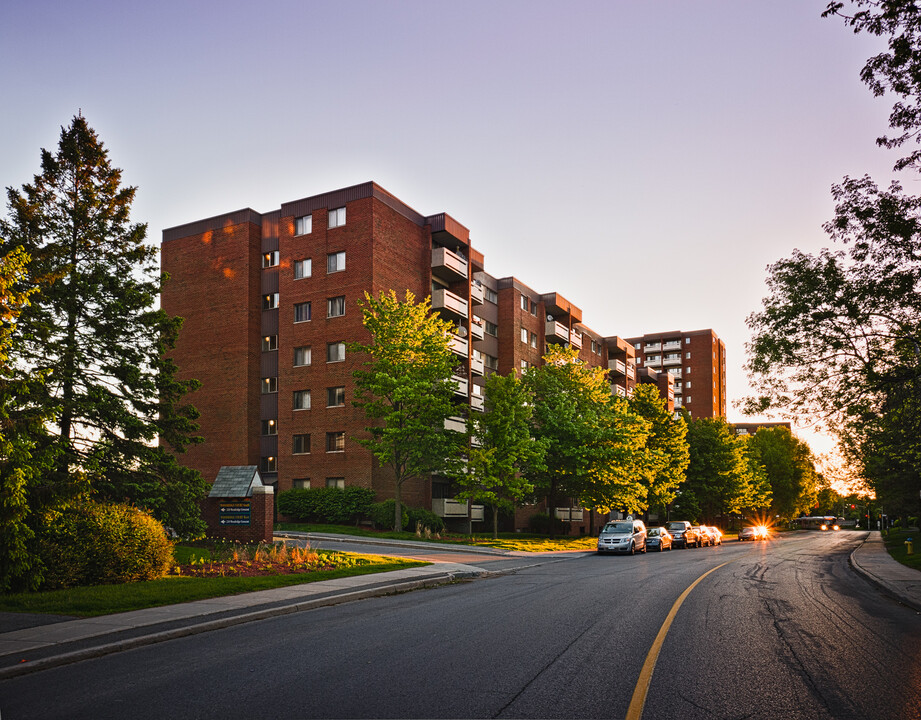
(415,545)
(878,582)
(207,626)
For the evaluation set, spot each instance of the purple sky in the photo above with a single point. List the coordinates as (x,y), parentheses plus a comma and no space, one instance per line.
(673,149)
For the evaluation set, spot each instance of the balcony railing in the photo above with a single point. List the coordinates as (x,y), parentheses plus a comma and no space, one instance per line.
(476,402)
(477,367)
(460,385)
(575,339)
(569,514)
(457,424)
(448,265)
(617,366)
(653,361)
(448,302)
(477,513)
(672,345)
(672,359)
(449,507)
(458,345)
(618,390)
(556,331)
(477,294)
(631,371)
(652,347)
(477,328)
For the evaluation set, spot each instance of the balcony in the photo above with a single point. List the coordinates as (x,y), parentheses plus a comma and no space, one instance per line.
(575,339)
(631,371)
(458,345)
(618,367)
(447,265)
(457,424)
(556,331)
(477,294)
(448,302)
(673,359)
(652,347)
(654,361)
(477,366)
(476,402)
(460,385)
(449,507)
(618,391)
(477,328)
(671,345)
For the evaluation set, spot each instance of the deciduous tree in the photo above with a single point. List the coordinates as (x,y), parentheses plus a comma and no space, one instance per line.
(406,388)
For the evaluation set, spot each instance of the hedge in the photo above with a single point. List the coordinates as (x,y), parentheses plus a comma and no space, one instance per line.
(338,506)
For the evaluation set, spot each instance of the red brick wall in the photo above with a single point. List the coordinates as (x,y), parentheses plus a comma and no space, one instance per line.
(214,286)
(261,518)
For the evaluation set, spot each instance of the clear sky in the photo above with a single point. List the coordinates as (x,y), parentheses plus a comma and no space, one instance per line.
(647,160)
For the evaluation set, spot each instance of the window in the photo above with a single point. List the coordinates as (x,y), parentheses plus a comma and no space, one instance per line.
(335,352)
(270,302)
(335,397)
(491,295)
(335,442)
(533,340)
(303,268)
(269,464)
(524,364)
(335,262)
(687,355)
(687,400)
(270,259)
(269,427)
(301,400)
(335,307)
(687,341)
(687,370)
(303,225)
(524,303)
(269,343)
(336,482)
(491,362)
(534,308)
(302,356)
(687,384)
(301,312)
(300,444)
(524,335)
(301,483)
(337,217)
(491,328)
(637,345)
(269,385)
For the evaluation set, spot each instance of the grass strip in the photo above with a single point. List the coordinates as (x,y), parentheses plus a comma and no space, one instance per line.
(108,599)
(895,544)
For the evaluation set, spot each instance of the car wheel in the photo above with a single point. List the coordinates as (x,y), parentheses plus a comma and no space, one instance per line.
(632,548)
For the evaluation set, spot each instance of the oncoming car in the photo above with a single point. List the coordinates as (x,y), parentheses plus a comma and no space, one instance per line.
(753,532)
(622,536)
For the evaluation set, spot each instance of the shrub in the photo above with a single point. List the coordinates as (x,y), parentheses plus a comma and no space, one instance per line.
(539,524)
(381,514)
(102,544)
(427,518)
(330,505)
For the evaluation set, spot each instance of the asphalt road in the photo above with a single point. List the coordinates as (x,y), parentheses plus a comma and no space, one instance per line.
(778,630)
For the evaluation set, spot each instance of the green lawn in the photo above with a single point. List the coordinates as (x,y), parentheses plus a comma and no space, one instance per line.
(895,544)
(108,599)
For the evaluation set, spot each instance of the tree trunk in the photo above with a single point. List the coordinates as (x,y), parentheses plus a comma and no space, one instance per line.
(495,522)
(398,508)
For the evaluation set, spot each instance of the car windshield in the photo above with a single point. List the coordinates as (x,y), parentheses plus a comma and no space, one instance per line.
(675,526)
(654,532)
(618,528)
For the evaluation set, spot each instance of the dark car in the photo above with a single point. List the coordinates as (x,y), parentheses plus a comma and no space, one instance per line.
(684,535)
(658,538)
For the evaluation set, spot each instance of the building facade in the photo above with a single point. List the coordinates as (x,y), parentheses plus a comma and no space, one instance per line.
(270,301)
(695,360)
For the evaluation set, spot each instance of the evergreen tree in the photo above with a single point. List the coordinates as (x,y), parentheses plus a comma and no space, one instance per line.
(93,333)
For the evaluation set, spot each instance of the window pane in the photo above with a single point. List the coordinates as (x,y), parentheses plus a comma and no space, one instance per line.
(302,269)
(300,444)
(335,442)
(270,302)
(302,312)
(335,396)
(301,400)
(335,307)
(269,343)
(302,356)
(335,262)
(336,482)
(303,225)
(269,427)
(269,385)
(335,352)
(270,259)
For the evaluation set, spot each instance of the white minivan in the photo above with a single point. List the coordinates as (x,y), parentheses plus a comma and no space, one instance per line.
(622,536)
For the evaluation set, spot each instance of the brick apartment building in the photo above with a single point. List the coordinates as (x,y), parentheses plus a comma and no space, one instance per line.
(270,300)
(695,360)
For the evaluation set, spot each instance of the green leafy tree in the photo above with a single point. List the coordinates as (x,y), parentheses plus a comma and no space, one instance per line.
(406,389)
(504,448)
(591,440)
(757,491)
(718,473)
(92,333)
(666,446)
(790,470)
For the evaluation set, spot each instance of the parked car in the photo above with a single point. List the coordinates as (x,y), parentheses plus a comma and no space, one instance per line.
(704,534)
(658,538)
(716,536)
(623,536)
(683,533)
(752,532)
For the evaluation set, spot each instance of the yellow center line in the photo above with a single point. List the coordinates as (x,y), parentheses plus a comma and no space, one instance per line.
(638,701)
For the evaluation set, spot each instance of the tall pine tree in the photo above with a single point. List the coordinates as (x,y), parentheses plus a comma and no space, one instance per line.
(93,333)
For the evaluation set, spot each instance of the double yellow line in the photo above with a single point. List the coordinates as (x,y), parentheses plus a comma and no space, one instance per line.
(638,701)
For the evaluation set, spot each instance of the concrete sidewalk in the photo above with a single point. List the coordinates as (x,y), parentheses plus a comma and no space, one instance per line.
(872,560)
